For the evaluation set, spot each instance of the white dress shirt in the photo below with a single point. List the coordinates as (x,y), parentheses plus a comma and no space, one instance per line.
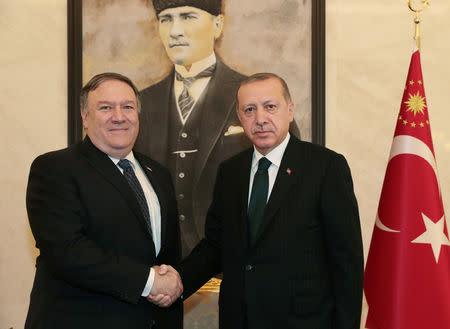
(197,86)
(153,207)
(273,156)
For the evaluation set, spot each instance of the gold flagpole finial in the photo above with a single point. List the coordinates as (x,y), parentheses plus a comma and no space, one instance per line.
(417,12)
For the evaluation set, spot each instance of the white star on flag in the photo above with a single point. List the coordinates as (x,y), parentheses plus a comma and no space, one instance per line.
(434,235)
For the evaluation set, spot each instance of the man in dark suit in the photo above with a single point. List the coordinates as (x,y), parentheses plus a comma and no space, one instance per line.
(283,226)
(103,217)
(188,122)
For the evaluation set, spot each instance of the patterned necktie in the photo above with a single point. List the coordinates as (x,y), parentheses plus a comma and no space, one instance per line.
(130,176)
(185,100)
(258,198)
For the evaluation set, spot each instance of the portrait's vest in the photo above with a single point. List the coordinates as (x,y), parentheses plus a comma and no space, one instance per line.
(184,141)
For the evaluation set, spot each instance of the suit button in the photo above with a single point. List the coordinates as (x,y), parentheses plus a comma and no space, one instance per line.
(182,217)
(181,175)
(249,267)
(184,135)
(180,196)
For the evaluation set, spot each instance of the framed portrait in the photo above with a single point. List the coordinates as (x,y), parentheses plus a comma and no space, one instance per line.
(285,37)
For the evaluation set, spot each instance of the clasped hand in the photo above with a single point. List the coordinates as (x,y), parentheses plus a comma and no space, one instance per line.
(167,287)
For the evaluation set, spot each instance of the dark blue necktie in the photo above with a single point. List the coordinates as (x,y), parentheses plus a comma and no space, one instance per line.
(258,198)
(130,176)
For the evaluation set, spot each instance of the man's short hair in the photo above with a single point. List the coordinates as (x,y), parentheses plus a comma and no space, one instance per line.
(97,80)
(214,7)
(265,76)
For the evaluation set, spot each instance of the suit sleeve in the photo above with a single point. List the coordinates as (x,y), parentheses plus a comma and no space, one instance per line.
(205,259)
(57,220)
(344,243)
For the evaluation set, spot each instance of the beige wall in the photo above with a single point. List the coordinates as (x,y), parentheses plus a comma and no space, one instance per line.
(33,115)
(368,51)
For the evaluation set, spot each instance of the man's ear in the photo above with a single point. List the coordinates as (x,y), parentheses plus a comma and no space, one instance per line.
(218,26)
(291,111)
(84,114)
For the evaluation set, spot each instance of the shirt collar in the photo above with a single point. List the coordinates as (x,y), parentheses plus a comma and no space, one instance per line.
(273,156)
(130,157)
(196,67)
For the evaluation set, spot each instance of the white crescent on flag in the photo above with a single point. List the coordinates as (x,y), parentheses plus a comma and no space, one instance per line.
(405,144)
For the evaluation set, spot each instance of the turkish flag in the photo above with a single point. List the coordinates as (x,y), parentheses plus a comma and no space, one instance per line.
(407,276)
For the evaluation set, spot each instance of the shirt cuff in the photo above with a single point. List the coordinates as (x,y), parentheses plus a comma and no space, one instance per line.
(149,285)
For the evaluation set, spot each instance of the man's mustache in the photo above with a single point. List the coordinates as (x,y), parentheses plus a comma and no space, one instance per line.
(260,130)
(178,44)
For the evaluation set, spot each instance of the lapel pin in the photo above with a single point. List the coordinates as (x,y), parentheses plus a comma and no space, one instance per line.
(288,170)
(148,168)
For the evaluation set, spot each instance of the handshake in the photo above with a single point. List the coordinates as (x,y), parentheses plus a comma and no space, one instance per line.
(167,286)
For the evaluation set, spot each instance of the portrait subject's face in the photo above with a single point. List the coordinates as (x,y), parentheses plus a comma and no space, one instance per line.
(112,121)
(264,113)
(188,33)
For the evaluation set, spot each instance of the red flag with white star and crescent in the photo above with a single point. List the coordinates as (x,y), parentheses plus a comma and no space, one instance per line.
(407,276)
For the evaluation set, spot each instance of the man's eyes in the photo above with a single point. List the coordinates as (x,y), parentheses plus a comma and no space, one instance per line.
(271,108)
(110,108)
(168,19)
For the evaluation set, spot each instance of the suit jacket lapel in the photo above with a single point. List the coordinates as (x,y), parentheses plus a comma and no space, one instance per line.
(244,178)
(219,100)
(106,168)
(289,174)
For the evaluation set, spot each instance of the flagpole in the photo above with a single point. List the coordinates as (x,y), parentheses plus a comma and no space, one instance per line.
(417,20)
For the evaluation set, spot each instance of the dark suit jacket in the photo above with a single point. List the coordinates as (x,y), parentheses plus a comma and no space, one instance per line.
(218,139)
(95,251)
(305,269)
